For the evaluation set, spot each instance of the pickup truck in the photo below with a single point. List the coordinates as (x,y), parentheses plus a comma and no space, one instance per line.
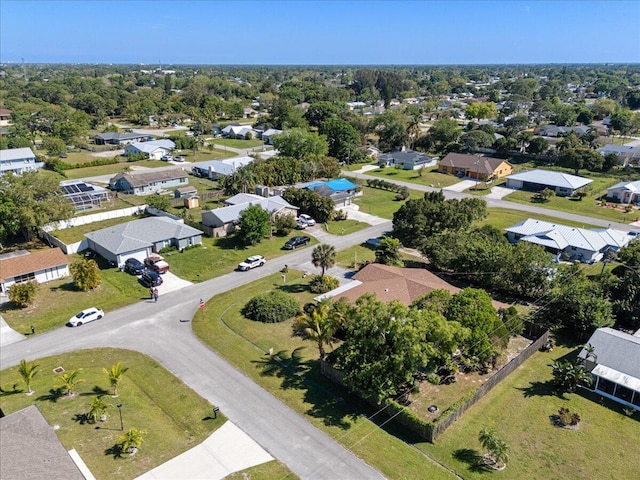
(157,263)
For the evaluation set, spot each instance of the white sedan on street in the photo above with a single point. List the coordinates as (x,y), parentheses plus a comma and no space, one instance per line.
(86,316)
(252,262)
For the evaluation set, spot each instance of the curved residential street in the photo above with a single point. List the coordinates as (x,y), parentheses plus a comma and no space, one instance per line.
(156,329)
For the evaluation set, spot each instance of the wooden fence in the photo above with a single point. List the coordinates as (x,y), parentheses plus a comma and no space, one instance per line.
(431,430)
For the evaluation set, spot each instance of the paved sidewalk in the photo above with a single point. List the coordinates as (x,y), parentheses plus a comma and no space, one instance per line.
(227,450)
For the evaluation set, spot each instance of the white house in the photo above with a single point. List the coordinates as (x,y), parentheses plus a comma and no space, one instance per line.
(570,243)
(238,131)
(614,364)
(625,192)
(154,150)
(41,266)
(408,159)
(18,161)
(214,169)
(562,183)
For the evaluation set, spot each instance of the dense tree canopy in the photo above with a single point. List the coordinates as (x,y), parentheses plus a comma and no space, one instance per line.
(29,202)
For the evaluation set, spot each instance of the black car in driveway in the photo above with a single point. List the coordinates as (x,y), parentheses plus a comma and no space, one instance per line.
(151,279)
(134,266)
(295,242)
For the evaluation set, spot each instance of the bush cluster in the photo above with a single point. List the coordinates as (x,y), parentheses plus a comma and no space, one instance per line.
(271,307)
(403,192)
(323,284)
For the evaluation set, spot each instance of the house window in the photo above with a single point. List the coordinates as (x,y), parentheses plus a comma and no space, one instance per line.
(636,399)
(606,386)
(623,393)
(25,278)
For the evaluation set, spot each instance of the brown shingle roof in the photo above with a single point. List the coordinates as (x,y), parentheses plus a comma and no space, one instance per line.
(394,283)
(460,160)
(146,178)
(34,262)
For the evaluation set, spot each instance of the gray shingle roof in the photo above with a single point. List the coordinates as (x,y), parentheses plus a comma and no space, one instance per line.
(140,234)
(31,450)
(617,350)
(146,178)
(16,154)
(552,179)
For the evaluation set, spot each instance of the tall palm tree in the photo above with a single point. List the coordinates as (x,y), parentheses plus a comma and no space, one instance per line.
(131,440)
(115,375)
(27,371)
(69,380)
(496,448)
(324,257)
(318,325)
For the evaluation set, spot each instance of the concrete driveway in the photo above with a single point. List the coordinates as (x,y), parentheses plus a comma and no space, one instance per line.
(227,450)
(460,186)
(499,192)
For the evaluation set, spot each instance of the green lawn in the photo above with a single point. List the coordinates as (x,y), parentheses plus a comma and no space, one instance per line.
(344,227)
(219,256)
(237,143)
(174,416)
(355,255)
(204,154)
(587,206)
(429,177)
(296,379)
(519,409)
(57,301)
(266,471)
(381,203)
(503,218)
(110,169)
(76,234)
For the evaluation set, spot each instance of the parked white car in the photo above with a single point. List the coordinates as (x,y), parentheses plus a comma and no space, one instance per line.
(86,316)
(307,219)
(252,262)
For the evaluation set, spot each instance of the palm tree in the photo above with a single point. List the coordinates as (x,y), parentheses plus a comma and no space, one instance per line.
(27,371)
(591,352)
(131,440)
(318,325)
(115,375)
(69,380)
(97,409)
(568,375)
(323,256)
(496,448)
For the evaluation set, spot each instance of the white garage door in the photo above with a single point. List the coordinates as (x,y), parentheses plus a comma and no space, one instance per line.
(140,255)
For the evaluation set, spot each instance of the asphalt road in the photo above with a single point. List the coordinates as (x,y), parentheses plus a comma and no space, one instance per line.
(156,329)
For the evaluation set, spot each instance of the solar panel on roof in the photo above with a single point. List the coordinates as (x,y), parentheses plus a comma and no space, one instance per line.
(85,188)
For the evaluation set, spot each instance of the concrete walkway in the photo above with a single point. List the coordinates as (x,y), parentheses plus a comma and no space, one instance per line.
(498,192)
(8,335)
(226,451)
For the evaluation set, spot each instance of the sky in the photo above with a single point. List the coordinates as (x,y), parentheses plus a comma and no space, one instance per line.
(330,32)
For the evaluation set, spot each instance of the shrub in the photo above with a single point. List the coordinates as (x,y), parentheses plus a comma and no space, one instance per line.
(271,307)
(23,294)
(340,215)
(568,418)
(283,224)
(323,283)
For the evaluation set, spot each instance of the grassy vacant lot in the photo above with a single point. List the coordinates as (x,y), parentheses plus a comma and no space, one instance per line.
(57,301)
(381,203)
(296,380)
(520,409)
(174,417)
(237,143)
(429,177)
(357,254)
(219,256)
